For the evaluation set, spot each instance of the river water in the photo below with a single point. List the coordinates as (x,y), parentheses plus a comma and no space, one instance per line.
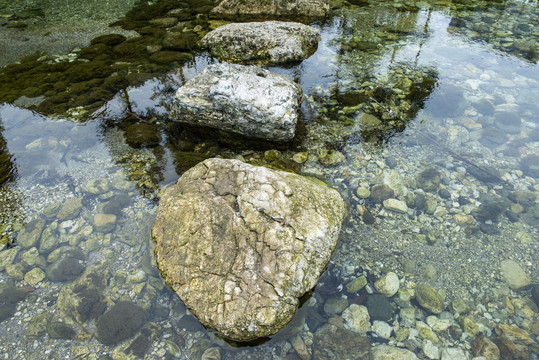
(436,102)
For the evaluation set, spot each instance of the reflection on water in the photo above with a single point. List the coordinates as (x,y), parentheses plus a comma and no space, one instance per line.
(433,105)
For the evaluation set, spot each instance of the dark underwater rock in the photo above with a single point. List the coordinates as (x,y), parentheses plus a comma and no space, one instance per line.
(59,330)
(9,298)
(121,322)
(65,269)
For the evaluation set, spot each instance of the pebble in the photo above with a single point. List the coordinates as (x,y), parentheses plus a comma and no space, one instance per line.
(356,318)
(356,284)
(386,352)
(387,285)
(430,350)
(513,275)
(429,299)
(453,354)
(382,329)
(34,276)
(395,205)
(482,346)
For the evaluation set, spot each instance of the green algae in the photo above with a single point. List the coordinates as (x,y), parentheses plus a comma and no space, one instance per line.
(111,62)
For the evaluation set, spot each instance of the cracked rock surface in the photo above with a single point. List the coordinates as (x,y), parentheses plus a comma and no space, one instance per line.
(246,100)
(286,8)
(268,42)
(241,244)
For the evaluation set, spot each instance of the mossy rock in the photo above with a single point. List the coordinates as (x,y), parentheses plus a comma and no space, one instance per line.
(184,160)
(9,298)
(141,135)
(180,41)
(109,39)
(429,179)
(65,269)
(59,330)
(167,57)
(121,322)
(93,51)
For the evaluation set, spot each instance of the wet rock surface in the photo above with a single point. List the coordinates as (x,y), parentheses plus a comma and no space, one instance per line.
(269,42)
(246,100)
(240,244)
(285,8)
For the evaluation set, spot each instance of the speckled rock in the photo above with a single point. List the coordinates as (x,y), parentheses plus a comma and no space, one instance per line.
(251,242)
(429,299)
(387,285)
(482,346)
(7,256)
(269,42)
(331,342)
(357,318)
(513,275)
(386,352)
(246,100)
(34,276)
(283,8)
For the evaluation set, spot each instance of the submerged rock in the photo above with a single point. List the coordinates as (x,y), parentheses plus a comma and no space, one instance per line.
(245,100)
(240,244)
(9,298)
(331,342)
(269,42)
(121,322)
(286,8)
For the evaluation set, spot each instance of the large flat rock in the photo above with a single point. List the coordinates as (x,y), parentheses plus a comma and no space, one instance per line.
(268,42)
(272,8)
(241,244)
(246,100)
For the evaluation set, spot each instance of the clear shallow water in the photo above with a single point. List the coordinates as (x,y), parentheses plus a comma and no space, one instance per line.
(439,81)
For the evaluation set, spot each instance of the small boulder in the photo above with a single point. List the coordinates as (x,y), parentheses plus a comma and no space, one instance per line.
(121,322)
(283,8)
(245,100)
(429,299)
(513,275)
(241,244)
(264,43)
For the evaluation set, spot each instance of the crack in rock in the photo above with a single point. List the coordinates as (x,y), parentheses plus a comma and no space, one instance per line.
(241,244)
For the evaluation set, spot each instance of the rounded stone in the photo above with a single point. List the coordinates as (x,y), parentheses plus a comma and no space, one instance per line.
(382,329)
(30,256)
(98,186)
(513,275)
(363,193)
(387,352)
(357,318)
(356,284)
(387,285)
(429,299)
(34,276)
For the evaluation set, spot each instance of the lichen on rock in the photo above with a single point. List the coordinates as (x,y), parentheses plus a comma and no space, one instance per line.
(241,244)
